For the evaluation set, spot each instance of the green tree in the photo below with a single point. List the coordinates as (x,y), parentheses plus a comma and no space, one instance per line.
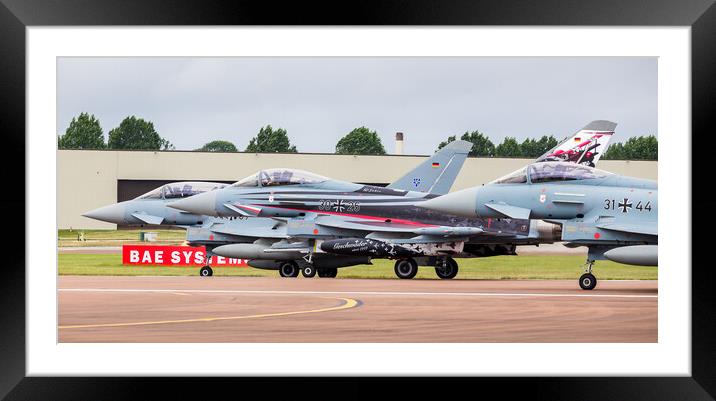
(531,148)
(136,133)
(444,143)
(84,132)
(481,144)
(218,146)
(508,148)
(360,141)
(615,151)
(635,148)
(269,140)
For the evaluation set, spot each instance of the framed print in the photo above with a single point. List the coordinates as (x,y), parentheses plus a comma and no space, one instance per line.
(314,98)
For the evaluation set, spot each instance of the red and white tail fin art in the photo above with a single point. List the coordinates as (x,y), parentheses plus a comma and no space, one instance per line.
(584,147)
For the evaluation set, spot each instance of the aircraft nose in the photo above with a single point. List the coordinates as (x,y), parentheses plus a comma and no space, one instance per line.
(111,213)
(460,203)
(198,204)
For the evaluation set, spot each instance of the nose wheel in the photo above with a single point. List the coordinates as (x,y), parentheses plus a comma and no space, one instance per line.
(206,271)
(587,281)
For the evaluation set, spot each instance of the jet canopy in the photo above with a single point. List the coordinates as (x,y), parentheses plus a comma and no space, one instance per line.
(551,172)
(178,190)
(279,176)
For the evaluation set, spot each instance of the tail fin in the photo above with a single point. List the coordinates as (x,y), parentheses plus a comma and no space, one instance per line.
(437,174)
(584,147)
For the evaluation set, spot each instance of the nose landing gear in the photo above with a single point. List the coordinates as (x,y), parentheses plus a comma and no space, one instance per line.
(587,281)
(206,271)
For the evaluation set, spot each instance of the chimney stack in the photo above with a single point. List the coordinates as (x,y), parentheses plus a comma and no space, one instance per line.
(398,143)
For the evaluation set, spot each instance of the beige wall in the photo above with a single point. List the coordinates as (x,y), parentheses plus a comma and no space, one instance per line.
(88,179)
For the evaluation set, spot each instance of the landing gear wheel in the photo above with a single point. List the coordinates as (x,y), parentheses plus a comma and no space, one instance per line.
(308,271)
(327,272)
(288,269)
(448,271)
(587,281)
(406,268)
(206,271)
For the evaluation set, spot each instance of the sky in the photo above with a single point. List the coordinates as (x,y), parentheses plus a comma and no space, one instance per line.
(318,100)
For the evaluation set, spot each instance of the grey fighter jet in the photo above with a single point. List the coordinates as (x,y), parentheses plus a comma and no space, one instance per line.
(614,216)
(150,208)
(435,175)
(324,216)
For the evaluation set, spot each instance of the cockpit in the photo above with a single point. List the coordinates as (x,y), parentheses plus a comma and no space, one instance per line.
(279,176)
(178,190)
(551,172)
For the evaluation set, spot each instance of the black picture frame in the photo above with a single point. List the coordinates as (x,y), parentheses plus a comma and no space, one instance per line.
(16,15)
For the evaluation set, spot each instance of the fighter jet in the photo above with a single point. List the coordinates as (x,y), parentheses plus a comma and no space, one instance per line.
(150,208)
(323,216)
(614,216)
(435,175)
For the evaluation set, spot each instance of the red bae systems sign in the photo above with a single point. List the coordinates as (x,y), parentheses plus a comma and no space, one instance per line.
(159,255)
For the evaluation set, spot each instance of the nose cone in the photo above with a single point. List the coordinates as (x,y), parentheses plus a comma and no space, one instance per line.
(111,213)
(460,203)
(198,204)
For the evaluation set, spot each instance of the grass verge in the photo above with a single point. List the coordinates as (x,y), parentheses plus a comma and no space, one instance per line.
(525,267)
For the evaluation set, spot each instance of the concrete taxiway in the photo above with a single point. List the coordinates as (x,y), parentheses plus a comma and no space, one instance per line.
(263,309)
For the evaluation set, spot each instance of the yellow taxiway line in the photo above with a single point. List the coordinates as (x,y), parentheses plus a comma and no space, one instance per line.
(348,303)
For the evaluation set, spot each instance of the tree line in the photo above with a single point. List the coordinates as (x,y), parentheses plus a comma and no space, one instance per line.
(85,132)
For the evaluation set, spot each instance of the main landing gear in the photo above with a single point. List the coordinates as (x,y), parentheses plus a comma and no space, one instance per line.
(445,268)
(288,269)
(406,268)
(291,269)
(206,271)
(587,281)
(327,272)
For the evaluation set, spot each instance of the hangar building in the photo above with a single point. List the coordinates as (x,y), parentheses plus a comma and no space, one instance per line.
(87,179)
